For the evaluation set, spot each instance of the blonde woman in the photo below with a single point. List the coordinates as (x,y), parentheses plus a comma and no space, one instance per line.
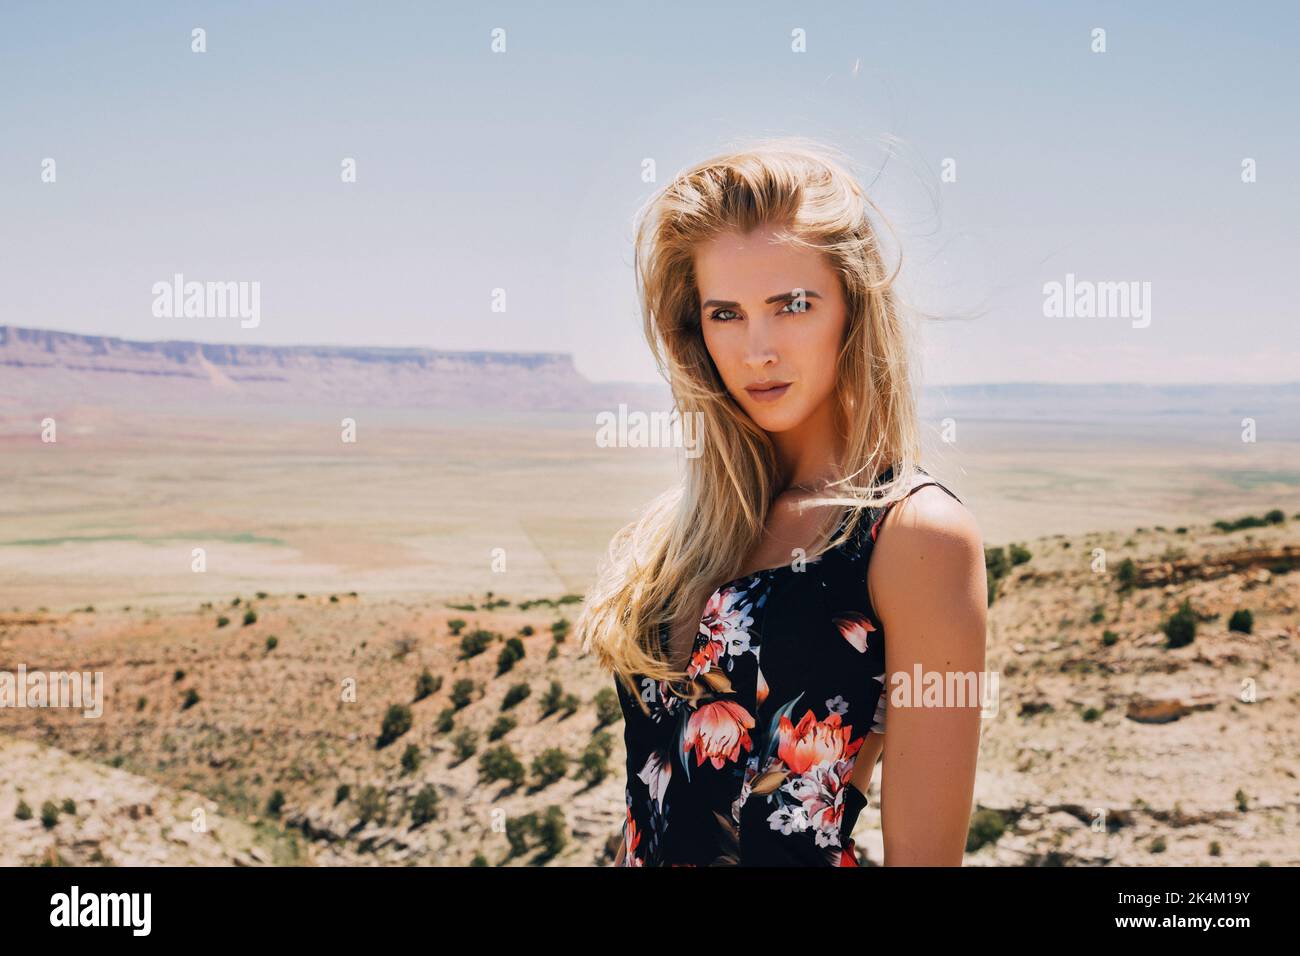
(751,615)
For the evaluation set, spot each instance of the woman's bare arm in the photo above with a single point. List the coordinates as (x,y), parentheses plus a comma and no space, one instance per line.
(928,585)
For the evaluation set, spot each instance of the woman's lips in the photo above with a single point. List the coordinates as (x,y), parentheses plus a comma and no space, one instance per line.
(769,392)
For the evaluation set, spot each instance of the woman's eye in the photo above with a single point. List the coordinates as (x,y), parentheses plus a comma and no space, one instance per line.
(717,315)
(802,305)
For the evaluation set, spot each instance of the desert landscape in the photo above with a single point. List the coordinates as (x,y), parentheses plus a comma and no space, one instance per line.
(334,644)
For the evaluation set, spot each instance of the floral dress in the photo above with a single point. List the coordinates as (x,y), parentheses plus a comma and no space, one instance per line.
(750,765)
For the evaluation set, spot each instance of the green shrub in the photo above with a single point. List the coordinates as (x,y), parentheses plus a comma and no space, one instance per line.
(222,621)
(396,722)
(69,805)
(986,826)
(341,793)
(275,804)
(1242,620)
(446,720)
(608,709)
(410,759)
(1019,554)
(502,726)
(462,693)
(456,625)
(549,766)
(250,617)
(510,654)
(191,698)
(1108,638)
(23,811)
(1180,627)
(500,763)
(515,695)
(49,814)
(1126,574)
(426,684)
(424,808)
(474,643)
(551,836)
(465,744)
(372,805)
(272,643)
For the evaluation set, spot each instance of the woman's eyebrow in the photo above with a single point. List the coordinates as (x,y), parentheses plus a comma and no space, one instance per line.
(781,297)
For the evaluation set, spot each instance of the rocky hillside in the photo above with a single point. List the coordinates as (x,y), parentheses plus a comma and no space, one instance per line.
(41,366)
(404,732)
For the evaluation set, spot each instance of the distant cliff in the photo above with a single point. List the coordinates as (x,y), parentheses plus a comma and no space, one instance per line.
(40,366)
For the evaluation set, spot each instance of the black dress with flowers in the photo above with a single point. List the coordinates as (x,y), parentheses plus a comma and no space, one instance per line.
(750,765)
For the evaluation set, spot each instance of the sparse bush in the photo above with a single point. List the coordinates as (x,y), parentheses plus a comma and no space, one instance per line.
(465,744)
(608,708)
(49,814)
(456,625)
(426,684)
(1126,574)
(261,595)
(474,643)
(424,808)
(552,699)
(410,759)
(549,766)
(1108,638)
(986,826)
(372,805)
(272,643)
(222,621)
(275,804)
(1091,714)
(250,617)
(462,693)
(191,698)
(396,722)
(1243,802)
(69,806)
(1158,845)
(500,763)
(1180,627)
(514,695)
(550,832)
(1018,553)
(510,654)
(518,830)
(23,811)
(501,726)
(594,763)
(527,630)
(560,630)
(341,793)
(178,675)
(446,720)
(1242,621)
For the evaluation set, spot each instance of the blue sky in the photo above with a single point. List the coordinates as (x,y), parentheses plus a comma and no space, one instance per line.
(522,170)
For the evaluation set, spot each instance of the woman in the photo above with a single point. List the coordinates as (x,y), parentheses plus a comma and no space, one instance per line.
(745,614)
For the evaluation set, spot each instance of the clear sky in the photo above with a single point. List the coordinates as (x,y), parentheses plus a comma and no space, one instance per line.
(521,170)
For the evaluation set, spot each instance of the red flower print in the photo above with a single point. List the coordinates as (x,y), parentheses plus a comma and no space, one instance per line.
(718,732)
(631,840)
(854,628)
(723,629)
(813,742)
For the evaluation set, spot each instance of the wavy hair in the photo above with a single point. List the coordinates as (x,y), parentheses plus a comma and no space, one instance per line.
(661,567)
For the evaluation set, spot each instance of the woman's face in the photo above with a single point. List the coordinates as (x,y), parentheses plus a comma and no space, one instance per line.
(772,314)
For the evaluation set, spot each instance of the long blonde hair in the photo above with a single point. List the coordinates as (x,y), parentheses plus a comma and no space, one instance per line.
(662,566)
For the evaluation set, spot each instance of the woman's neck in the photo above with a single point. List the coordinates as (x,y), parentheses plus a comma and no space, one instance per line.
(810,454)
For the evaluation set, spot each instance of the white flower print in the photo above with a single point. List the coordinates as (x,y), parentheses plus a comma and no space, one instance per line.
(656,774)
(723,630)
(838,705)
(878,720)
(789,818)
